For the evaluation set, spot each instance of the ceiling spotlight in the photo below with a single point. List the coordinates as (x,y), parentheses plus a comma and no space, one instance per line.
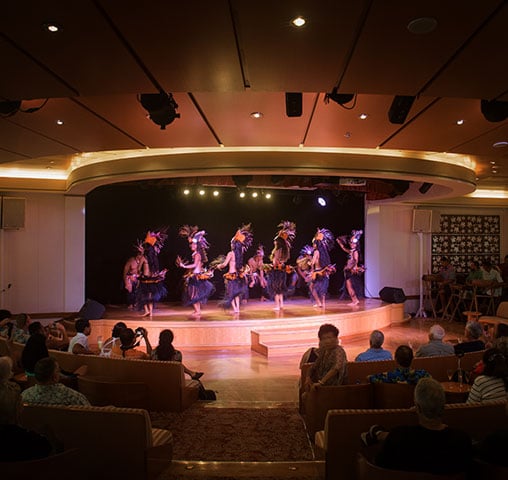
(340,98)
(494,111)
(501,144)
(52,27)
(425,187)
(492,162)
(268,195)
(256,115)
(242,194)
(59,122)
(422,25)
(321,201)
(186,191)
(254,194)
(215,193)
(362,116)
(201,192)
(298,21)
(460,122)
(161,107)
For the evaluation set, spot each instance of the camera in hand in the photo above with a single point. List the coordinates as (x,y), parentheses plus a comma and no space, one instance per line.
(140,331)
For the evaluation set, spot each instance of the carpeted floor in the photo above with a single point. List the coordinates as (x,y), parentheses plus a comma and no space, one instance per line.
(206,433)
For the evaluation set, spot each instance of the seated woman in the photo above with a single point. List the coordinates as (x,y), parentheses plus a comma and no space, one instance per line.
(113,342)
(330,365)
(492,384)
(165,351)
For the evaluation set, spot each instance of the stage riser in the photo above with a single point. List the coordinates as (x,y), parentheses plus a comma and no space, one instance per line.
(233,332)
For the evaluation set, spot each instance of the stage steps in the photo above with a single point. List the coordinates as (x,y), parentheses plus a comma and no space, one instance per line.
(281,340)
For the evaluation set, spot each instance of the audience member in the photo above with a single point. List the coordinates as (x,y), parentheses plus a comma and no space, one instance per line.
(473,332)
(501,340)
(79,343)
(113,342)
(376,350)
(128,344)
(166,351)
(494,446)
(15,327)
(493,383)
(475,272)
(6,374)
(35,348)
(447,277)
(436,346)
(431,446)
(491,274)
(48,390)
(330,367)
(16,443)
(403,373)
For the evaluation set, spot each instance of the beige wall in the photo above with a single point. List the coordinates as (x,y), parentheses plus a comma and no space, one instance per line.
(44,262)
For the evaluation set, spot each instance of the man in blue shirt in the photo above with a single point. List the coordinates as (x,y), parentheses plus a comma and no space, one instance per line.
(376,350)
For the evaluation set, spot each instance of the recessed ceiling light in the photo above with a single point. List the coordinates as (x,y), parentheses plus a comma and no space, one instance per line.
(493,162)
(59,122)
(422,25)
(460,122)
(268,195)
(254,194)
(362,116)
(256,115)
(201,192)
(298,21)
(186,191)
(500,144)
(494,171)
(242,194)
(348,134)
(52,27)
(215,193)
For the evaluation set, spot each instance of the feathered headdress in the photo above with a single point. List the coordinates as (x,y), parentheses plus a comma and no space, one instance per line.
(244,236)
(326,238)
(155,238)
(306,250)
(194,235)
(260,251)
(355,236)
(287,231)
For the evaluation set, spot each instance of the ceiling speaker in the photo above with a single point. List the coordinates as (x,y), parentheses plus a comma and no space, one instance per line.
(400,108)
(494,111)
(294,104)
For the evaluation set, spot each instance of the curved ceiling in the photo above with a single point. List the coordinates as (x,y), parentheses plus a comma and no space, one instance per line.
(223,60)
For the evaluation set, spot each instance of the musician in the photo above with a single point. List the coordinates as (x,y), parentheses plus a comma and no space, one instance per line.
(353,267)
(198,287)
(321,266)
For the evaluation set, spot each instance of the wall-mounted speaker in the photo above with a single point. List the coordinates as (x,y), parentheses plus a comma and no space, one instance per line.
(13,213)
(400,108)
(426,221)
(294,104)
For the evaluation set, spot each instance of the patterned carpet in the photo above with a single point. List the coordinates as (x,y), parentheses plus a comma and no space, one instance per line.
(205,433)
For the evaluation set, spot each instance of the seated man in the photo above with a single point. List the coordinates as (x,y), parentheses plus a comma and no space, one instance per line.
(431,446)
(473,333)
(79,343)
(48,390)
(330,367)
(493,275)
(403,373)
(436,346)
(376,350)
(447,274)
(16,443)
(128,344)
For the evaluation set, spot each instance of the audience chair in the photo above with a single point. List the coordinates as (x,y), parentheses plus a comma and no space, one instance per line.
(456,300)
(431,292)
(482,299)
(487,471)
(393,395)
(368,471)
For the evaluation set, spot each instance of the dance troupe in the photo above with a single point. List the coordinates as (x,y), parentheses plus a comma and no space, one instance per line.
(144,280)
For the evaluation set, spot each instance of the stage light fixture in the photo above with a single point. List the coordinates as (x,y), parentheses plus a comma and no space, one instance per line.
(321,201)
(425,187)
(268,196)
(339,98)
(161,107)
(254,194)
(215,193)
(186,191)
(242,194)
(202,192)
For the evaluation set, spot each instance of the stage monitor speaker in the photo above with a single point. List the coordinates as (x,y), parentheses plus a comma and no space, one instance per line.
(13,213)
(293,104)
(426,221)
(399,108)
(392,295)
(92,310)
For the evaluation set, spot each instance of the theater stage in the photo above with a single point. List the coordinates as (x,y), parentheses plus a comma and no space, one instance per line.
(258,326)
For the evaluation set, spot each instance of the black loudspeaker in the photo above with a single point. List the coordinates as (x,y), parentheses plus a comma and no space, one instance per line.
(392,295)
(494,111)
(400,108)
(91,310)
(293,104)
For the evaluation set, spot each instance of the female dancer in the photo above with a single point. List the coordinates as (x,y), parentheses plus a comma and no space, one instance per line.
(352,268)
(198,287)
(321,265)
(277,276)
(151,280)
(235,280)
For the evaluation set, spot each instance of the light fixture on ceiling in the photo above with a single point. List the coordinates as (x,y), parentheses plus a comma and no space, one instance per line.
(298,22)
(460,122)
(215,193)
(422,25)
(363,116)
(59,122)
(340,98)
(500,144)
(186,191)
(425,187)
(202,192)
(256,115)
(494,110)
(52,27)
(161,107)
(254,194)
